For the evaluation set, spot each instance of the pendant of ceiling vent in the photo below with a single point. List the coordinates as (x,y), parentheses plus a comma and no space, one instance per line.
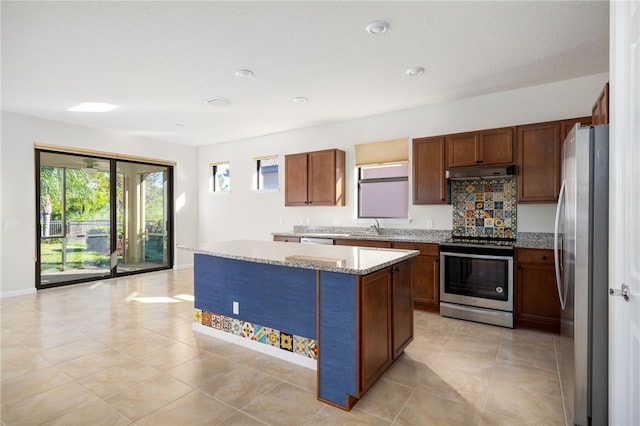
(219,101)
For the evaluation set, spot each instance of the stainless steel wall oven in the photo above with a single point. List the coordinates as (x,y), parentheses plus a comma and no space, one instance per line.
(476,281)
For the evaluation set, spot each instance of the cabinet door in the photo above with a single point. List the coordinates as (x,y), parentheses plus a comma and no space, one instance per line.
(375,326)
(402,312)
(496,147)
(295,180)
(539,162)
(536,296)
(322,178)
(429,175)
(600,110)
(425,280)
(461,149)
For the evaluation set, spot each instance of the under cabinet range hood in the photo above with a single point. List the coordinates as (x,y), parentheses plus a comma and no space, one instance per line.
(469,173)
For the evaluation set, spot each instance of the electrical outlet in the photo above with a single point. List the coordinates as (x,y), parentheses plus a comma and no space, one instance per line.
(236,308)
(429,223)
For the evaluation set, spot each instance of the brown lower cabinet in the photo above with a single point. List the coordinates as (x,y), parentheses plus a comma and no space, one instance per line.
(537,304)
(386,320)
(362,243)
(426,275)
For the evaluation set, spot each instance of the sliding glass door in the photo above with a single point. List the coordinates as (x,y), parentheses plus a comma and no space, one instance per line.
(143,216)
(100,217)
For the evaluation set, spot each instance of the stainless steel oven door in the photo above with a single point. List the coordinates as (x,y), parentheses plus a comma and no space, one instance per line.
(484,281)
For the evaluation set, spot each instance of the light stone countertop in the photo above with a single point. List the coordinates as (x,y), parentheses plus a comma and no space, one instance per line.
(537,240)
(343,259)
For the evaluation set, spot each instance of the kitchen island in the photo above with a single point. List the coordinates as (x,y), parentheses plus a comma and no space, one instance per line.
(345,311)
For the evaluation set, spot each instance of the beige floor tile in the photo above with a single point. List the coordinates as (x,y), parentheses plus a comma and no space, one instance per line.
(170,356)
(236,353)
(385,399)
(456,386)
(151,343)
(119,378)
(47,406)
(469,364)
(72,350)
(304,378)
(96,413)
(19,366)
(200,370)
(523,405)
(531,379)
(195,408)
(239,386)
(527,355)
(122,336)
(31,384)
(450,369)
(180,332)
(92,363)
(148,396)
(406,371)
(275,367)
(284,405)
(331,416)
(242,419)
(466,345)
(480,331)
(426,409)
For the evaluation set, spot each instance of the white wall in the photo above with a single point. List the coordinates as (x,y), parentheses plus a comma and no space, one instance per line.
(19,132)
(244,214)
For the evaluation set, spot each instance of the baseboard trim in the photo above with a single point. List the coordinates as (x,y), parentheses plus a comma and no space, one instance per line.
(16,293)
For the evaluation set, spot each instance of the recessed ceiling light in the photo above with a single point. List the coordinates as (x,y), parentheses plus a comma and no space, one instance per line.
(415,71)
(245,73)
(93,107)
(300,99)
(377,27)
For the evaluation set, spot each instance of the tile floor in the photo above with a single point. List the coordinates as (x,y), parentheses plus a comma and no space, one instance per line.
(122,352)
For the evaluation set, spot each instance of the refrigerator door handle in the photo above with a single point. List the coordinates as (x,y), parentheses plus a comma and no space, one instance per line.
(556,251)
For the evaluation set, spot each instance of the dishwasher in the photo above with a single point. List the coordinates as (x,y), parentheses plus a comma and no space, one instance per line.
(316,240)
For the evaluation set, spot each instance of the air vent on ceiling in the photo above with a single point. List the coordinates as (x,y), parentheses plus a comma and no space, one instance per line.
(219,101)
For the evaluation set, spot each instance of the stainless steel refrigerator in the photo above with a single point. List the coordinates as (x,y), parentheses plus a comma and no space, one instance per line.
(581,258)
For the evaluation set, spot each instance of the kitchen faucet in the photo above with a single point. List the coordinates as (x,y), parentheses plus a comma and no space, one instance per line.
(376,226)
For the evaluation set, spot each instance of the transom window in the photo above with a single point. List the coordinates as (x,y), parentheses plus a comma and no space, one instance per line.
(266,173)
(220,181)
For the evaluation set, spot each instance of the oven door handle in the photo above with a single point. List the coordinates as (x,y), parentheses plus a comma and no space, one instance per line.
(556,247)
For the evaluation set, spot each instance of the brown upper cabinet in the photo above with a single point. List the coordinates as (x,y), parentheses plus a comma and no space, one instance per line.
(429,175)
(539,148)
(600,110)
(538,162)
(492,147)
(315,178)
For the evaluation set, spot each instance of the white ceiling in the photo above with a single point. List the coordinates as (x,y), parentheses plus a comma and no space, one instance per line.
(159,61)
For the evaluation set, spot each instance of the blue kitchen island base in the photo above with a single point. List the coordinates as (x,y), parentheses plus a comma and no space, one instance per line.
(310,316)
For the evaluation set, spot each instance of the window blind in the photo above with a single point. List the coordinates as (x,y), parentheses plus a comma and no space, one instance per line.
(384,152)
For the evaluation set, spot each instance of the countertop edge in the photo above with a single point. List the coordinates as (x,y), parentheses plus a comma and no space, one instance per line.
(316,267)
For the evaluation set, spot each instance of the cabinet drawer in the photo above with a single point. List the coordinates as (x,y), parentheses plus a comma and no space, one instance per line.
(426,249)
(535,256)
(362,243)
(286,239)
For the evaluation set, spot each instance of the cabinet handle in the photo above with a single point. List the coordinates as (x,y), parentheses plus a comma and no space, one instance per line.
(437,260)
(544,257)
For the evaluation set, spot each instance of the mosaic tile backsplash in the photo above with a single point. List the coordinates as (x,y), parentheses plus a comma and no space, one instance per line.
(484,208)
(269,336)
